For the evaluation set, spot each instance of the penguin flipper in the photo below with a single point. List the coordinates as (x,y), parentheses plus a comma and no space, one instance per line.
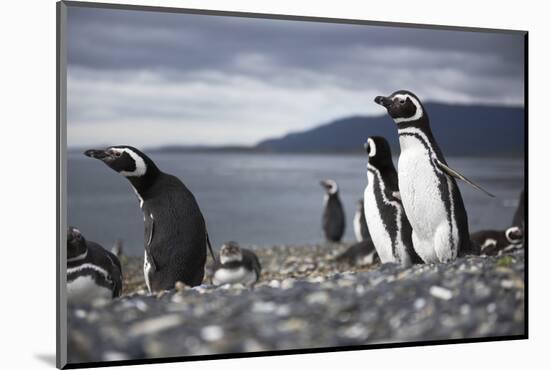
(449,171)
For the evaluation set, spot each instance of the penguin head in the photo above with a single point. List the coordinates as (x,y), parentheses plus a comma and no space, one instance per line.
(331,187)
(402,106)
(76,244)
(379,151)
(230,251)
(514,235)
(126,160)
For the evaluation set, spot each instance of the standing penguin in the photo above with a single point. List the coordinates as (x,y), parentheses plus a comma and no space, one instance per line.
(387,222)
(429,192)
(333,221)
(360,223)
(92,271)
(175,231)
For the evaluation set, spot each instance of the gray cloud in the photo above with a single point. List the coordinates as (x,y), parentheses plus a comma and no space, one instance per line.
(209,79)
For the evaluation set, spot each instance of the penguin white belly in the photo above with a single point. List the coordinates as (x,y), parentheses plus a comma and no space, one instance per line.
(357,227)
(420,194)
(84,289)
(379,235)
(234,276)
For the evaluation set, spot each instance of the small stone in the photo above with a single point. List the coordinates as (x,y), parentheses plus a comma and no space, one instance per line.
(212,333)
(419,304)
(115,356)
(180,286)
(263,307)
(441,293)
(317,298)
(154,325)
(275,284)
(491,307)
(507,284)
(80,313)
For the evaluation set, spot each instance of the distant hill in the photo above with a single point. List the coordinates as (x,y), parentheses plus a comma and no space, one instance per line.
(459,129)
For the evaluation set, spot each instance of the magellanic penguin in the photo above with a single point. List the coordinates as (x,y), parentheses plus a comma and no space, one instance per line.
(497,242)
(175,230)
(236,265)
(429,192)
(333,220)
(362,253)
(360,223)
(92,272)
(387,222)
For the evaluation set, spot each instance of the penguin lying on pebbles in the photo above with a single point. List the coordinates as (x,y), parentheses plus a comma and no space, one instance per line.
(360,223)
(333,220)
(387,222)
(496,242)
(236,265)
(175,231)
(359,254)
(92,271)
(428,188)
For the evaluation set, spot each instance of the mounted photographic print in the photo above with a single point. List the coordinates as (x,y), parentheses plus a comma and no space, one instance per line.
(235,184)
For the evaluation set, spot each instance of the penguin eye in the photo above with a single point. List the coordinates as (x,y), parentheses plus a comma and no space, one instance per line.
(401,101)
(117,154)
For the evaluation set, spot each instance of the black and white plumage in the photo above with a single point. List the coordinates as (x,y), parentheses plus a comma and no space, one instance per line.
(387,222)
(497,242)
(92,271)
(175,230)
(429,192)
(236,266)
(360,227)
(359,254)
(333,220)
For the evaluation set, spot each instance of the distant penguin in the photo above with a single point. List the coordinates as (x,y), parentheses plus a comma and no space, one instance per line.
(387,222)
(175,230)
(359,254)
(519,215)
(496,242)
(333,220)
(360,223)
(92,272)
(236,265)
(429,192)
(118,248)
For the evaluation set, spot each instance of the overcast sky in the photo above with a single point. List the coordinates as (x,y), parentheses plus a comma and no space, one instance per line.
(150,79)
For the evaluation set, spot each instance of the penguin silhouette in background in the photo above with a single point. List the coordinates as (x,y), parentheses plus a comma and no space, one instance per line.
(333,221)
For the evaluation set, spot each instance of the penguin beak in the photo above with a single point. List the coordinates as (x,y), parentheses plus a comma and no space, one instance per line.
(383,101)
(97,154)
(366,147)
(324,184)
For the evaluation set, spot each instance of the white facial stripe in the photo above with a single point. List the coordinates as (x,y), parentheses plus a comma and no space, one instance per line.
(509,237)
(372,147)
(141,167)
(90,266)
(234,257)
(419,112)
(489,243)
(333,186)
(79,257)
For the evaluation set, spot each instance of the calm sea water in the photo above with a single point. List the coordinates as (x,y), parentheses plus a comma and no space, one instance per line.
(264,199)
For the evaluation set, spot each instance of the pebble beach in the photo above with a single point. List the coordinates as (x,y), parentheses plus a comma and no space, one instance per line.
(304,299)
